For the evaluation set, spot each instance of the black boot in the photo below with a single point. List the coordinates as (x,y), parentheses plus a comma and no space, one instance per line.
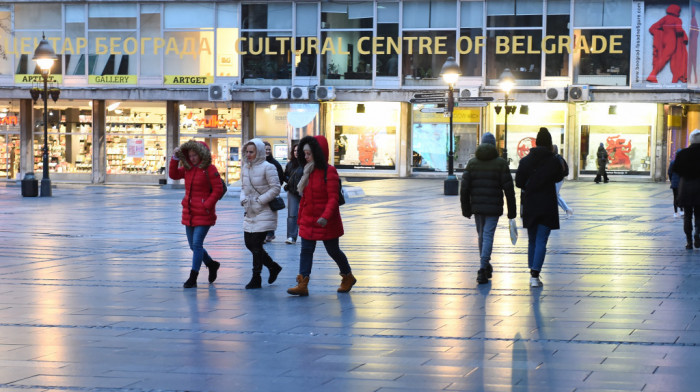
(255,282)
(482,276)
(213,269)
(274,271)
(697,240)
(192,281)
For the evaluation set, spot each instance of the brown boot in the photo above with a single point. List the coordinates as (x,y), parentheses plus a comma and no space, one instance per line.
(302,288)
(347,283)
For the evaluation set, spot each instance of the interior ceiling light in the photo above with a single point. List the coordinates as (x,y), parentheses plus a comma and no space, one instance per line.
(113,106)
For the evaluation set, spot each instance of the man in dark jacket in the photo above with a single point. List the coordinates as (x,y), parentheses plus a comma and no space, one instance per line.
(537,176)
(485,180)
(687,165)
(280,173)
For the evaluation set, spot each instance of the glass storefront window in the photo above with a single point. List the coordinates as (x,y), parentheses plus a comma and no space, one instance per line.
(265,62)
(604,68)
(5,29)
(430,138)
(278,123)
(110,28)
(365,135)
(9,142)
(387,30)
(69,138)
(523,128)
(27,41)
(135,138)
(526,67)
(558,19)
(626,135)
(423,67)
(150,26)
(348,63)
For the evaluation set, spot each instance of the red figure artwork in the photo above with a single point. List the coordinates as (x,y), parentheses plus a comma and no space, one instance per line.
(619,152)
(524,146)
(693,47)
(366,147)
(669,44)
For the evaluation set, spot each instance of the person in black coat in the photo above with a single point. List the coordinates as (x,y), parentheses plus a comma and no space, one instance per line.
(602,160)
(537,176)
(687,165)
(484,182)
(675,181)
(280,173)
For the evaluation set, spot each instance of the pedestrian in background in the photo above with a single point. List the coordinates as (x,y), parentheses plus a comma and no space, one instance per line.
(319,213)
(292,174)
(268,157)
(675,179)
(259,185)
(484,182)
(687,165)
(565,167)
(203,188)
(602,160)
(537,175)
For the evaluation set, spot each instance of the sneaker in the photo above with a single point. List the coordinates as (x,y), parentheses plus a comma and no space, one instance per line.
(697,241)
(675,215)
(682,213)
(481,276)
(289,240)
(535,282)
(269,238)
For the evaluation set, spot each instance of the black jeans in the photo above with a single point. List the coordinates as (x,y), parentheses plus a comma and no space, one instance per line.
(254,242)
(603,173)
(306,258)
(690,212)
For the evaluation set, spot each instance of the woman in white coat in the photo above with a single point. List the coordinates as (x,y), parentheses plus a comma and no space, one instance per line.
(260,185)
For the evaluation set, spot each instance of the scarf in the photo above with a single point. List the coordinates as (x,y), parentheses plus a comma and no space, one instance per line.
(308,168)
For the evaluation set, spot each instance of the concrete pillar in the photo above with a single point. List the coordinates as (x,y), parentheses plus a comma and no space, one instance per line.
(658,147)
(99,142)
(573,143)
(405,158)
(247,122)
(26,138)
(172,134)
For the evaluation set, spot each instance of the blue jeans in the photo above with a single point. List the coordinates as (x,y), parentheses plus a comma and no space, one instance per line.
(537,246)
(560,200)
(306,258)
(485,227)
(195,237)
(292,212)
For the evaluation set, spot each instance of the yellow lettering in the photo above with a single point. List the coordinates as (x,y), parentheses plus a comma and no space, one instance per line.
(517,43)
(392,44)
(410,43)
(359,45)
(134,45)
(502,45)
(296,50)
(548,49)
(313,44)
(158,44)
(564,43)
(114,44)
(82,44)
(25,45)
(480,42)
(172,46)
(328,46)
(53,43)
(469,45)
(614,43)
(341,46)
(377,45)
(67,46)
(424,43)
(143,43)
(582,44)
(238,46)
(440,45)
(283,43)
(100,47)
(251,46)
(188,48)
(603,44)
(530,49)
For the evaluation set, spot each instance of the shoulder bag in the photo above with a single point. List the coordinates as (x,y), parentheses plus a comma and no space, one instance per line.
(275,204)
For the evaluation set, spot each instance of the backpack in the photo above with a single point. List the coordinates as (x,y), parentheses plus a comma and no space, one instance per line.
(223,184)
(341,192)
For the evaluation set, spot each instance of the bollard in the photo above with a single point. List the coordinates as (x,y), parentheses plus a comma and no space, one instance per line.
(30,185)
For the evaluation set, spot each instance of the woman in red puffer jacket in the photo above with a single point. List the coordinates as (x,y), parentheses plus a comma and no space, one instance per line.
(203,188)
(319,213)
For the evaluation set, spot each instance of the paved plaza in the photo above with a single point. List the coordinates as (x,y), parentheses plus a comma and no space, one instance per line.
(91,298)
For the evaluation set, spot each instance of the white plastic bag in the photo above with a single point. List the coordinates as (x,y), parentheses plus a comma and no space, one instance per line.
(513,231)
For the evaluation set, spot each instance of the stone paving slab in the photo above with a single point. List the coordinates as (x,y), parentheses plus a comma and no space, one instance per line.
(92,300)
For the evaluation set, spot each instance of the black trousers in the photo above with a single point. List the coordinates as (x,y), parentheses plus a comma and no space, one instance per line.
(254,242)
(601,172)
(690,213)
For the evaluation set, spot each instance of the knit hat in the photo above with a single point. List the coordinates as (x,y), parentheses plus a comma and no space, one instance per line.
(544,139)
(488,138)
(695,137)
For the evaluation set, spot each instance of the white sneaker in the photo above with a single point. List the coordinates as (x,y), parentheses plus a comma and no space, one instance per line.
(535,282)
(682,213)
(569,212)
(289,240)
(675,215)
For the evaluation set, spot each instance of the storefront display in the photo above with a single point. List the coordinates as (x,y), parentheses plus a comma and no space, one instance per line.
(281,123)
(69,139)
(364,135)
(135,139)
(9,144)
(626,134)
(430,133)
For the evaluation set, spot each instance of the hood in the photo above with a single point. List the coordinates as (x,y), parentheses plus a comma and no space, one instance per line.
(201,148)
(540,153)
(261,156)
(695,137)
(486,152)
(323,142)
(674,10)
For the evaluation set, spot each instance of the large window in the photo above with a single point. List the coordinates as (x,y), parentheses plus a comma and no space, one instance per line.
(557,63)
(266,43)
(135,138)
(191,26)
(69,138)
(430,138)
(112,34)
(387,31)
(31,22)
(471,27)
(348,28)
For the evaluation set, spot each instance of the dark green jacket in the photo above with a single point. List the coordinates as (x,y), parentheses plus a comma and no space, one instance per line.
(484,182)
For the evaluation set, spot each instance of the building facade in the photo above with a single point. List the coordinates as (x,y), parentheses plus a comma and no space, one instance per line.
(137,78)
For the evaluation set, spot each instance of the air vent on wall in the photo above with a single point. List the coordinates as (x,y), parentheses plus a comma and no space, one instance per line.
(579,93)
(300,93)
(279,92)
(219,92)
(556,93)
(469,92)
(325,93)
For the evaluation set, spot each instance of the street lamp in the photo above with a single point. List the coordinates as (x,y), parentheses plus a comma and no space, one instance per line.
(45,57)
(450,73)
(506,81)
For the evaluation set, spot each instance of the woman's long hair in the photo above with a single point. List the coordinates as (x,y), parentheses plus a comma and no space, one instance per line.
(291,158)
(316,152)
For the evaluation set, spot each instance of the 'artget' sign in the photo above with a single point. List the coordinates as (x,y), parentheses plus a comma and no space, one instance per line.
(189,46)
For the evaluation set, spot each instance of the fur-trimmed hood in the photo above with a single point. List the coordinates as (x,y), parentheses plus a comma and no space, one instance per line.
(201,148)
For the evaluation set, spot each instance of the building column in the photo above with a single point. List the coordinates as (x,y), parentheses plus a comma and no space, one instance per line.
(247,122)
(573,143)
(172,137)
(405,158)
(99,142)
(658,145)
(26,137)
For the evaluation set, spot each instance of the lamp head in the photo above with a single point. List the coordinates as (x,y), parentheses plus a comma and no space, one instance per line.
(450,71)
(506,81)
(44,55)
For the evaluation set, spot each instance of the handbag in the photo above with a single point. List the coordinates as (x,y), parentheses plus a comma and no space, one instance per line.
(277,203)
(513,231)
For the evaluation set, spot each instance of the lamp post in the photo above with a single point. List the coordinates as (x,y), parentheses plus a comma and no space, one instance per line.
(45,57)
(506,81)
(450,73)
